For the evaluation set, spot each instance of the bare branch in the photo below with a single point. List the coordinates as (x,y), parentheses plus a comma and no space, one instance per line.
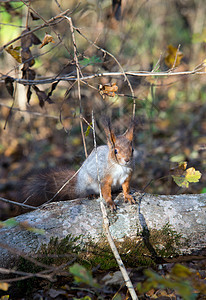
(106,74)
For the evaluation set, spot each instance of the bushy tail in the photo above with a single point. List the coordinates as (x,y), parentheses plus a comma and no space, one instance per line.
(40,187)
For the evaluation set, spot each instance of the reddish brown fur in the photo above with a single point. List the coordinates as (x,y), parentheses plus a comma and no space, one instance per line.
(106,189)
(126,189)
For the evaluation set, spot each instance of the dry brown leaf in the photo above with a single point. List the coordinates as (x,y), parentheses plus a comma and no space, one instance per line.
(47,39)
(108,90)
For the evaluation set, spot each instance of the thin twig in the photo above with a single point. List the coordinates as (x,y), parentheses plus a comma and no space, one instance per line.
(78,69)
(17,203)
(28,275)
(107,231)
(27,15)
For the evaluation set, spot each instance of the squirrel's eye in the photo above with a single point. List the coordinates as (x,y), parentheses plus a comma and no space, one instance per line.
(115,151)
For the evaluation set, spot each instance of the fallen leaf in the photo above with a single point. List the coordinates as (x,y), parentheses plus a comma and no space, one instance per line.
(173,57)
(47,39)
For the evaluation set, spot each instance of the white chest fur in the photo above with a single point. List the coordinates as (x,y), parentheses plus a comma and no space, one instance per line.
(120,174)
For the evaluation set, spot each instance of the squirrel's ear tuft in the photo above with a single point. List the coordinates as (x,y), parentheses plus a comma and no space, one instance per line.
(111,138)
(130,131)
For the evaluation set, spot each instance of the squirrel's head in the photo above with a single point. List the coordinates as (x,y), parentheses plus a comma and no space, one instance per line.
(120,147)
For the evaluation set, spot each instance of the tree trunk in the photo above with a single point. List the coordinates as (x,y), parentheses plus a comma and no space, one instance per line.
(183,213)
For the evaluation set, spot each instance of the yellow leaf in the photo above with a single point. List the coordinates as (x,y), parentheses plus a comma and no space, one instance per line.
(88,130)
(4,286)
(192,175)
(183,176)
(5,297)
(173,57)
(14,52)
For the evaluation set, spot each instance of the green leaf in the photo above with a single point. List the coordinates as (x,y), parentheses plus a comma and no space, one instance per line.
(81,274)
(90,61)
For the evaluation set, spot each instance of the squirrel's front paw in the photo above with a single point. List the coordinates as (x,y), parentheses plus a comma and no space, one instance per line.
(112,206)
(129,198)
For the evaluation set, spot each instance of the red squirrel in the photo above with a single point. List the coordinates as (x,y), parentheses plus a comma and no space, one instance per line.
(115,167)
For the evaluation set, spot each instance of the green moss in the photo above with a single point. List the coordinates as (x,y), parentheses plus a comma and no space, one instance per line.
(144,250)
(57,251)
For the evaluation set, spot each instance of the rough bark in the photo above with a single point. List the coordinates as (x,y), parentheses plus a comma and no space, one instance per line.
(185,214)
